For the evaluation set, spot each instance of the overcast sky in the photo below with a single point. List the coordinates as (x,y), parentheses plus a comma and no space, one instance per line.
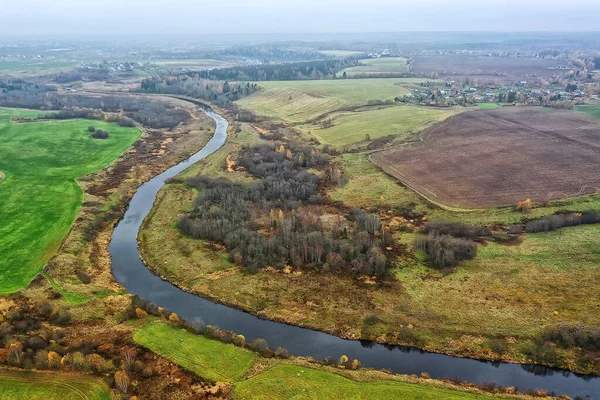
(86,17)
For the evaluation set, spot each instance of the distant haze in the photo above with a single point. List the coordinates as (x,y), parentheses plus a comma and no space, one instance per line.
(117,17)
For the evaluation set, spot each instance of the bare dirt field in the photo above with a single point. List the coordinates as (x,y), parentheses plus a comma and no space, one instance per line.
(509,68)
(499,157)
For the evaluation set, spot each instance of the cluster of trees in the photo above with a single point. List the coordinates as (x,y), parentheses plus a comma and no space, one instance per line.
(322,69)
(444,251)
(557,221)
(10,85)
(457,229)
(221,93)
(584,340)
(227,212)
(574,335)
(99,74)
(153,114)
(28,343)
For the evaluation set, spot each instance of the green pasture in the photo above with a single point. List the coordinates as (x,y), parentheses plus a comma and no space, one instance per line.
(40,197)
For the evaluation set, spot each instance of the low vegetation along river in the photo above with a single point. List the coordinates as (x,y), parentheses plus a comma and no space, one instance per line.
(131,272)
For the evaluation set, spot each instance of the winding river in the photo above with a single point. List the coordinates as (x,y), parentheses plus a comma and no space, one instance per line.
(131,272)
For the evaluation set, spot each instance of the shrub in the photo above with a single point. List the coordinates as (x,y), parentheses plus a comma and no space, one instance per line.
(371,319)
(46,309)
(515,229)
(239,340)
(126,122)
(282,352)
(140,314)
(91,129)
(446,251)
(524,206)
(259,345)
(61,318)
(100,134)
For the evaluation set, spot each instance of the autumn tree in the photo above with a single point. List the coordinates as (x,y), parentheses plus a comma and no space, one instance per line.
(128,354)
(140,314)
(15,353)
(524,206)
(53,360)
(122,381)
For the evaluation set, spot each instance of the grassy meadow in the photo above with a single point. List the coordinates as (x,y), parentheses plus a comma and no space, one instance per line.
(210,359)
(31,67)
(285,381)
(401,121)
(20,385)
(375,66)
(40,196)
(299,101)
(591,110)
(488,106)
(254,377)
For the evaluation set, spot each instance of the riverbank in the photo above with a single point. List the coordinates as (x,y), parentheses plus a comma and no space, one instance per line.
(248,375)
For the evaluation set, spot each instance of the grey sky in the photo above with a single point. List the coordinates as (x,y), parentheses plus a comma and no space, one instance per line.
(84,17)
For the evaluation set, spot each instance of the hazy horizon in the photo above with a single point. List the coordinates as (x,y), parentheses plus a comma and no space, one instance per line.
(29,18)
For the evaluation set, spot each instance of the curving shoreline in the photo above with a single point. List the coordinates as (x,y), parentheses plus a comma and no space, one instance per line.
(130,271)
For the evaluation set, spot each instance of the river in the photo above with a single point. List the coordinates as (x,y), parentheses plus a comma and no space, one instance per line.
(131,272)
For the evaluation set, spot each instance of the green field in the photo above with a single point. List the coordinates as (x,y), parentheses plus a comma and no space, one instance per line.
(488,106)
(401,121)
(18,385)
(591,110)
(35,66)
(299,101)
(278,379)
(207,358)
(376,66)
(40,196)
(298,382)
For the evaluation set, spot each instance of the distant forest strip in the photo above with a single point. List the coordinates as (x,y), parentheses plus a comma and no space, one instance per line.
(150,113)
(322,69)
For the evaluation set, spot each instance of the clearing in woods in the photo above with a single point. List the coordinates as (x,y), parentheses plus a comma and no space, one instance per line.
(21,385)
(499,157)
(40,196)
(300,101)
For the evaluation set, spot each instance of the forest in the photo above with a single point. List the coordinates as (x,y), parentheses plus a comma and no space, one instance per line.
(270,222)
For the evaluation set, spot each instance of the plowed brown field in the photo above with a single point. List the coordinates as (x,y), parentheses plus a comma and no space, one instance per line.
(500,157)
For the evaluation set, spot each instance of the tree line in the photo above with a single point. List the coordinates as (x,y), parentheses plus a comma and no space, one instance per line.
(150,113)
(231,213)
(321,69)
(221,93)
